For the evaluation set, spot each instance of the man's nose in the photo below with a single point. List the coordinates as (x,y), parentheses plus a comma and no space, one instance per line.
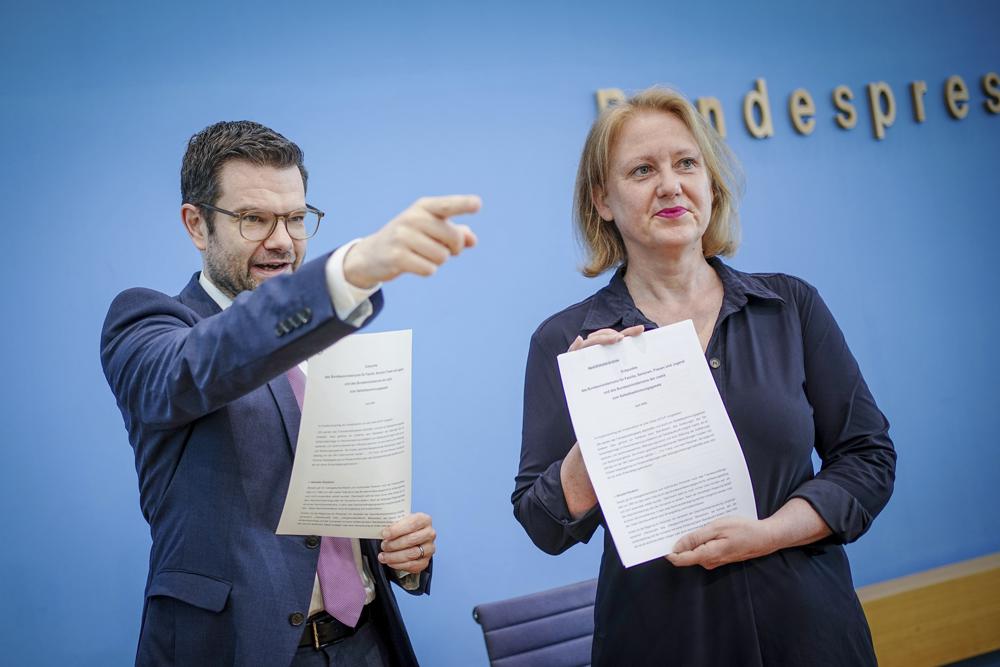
(279,238)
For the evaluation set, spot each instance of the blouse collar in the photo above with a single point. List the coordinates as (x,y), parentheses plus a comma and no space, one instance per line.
(613,307)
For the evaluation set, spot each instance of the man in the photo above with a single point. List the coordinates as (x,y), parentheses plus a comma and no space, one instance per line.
(210,389)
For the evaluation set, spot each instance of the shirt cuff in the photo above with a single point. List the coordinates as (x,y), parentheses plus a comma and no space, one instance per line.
(350,303)
(549,494)
(408,580)
(845,516)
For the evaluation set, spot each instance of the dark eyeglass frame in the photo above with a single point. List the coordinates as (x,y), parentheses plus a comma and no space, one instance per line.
(274,225)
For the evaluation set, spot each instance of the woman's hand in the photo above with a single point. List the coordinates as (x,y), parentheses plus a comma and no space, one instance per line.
(732,539)
(727,540)
(604,337)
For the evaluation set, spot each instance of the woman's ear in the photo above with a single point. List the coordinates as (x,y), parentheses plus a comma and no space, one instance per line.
(598,196)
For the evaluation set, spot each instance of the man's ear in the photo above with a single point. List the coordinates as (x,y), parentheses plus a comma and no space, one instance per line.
(195,225)
(597,196)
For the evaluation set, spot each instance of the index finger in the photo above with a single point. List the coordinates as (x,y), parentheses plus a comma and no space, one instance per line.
(695,539)
(449,205)
(408,524)
(634,330)
(688,558)
(600,337)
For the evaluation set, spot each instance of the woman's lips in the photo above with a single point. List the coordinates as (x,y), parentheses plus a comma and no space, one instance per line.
(675,212)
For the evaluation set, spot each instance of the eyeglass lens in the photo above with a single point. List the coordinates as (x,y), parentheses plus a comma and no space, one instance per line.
(258,225)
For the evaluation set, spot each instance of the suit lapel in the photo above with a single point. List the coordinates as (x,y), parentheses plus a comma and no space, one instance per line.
(197,299)
(291,416)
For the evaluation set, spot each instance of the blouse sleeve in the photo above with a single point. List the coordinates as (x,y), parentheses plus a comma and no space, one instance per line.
(546,437)
(852,435)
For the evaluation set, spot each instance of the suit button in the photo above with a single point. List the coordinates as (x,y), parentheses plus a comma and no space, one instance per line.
(714,363)
(296,618)
(312,541)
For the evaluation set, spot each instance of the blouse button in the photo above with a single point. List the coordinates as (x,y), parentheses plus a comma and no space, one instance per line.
(714,362)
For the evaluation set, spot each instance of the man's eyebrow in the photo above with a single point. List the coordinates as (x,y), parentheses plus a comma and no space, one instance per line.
(258,209)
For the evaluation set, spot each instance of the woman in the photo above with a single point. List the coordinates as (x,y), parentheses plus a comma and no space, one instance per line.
(655,198)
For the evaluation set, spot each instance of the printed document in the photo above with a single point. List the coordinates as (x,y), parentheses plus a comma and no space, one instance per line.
(659,447)
(352,471)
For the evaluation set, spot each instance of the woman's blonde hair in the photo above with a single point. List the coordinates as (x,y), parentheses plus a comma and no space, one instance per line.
(605,248)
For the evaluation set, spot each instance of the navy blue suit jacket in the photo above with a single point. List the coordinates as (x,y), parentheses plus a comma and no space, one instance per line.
(213,423)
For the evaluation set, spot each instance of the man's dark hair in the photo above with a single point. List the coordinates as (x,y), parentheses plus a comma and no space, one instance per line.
(217,144)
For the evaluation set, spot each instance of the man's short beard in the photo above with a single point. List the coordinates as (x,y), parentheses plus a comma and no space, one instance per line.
(229,274)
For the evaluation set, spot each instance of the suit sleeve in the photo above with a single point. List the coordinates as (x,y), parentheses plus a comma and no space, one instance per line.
(852,435)
(414,584)
(546,437)
(167,367)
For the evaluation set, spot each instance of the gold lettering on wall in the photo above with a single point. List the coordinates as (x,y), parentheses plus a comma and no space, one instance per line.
(608,96)
(848,116)
(802,109)
(917,91)
(757,98)
(711,109)
(991,86)
(956,95)
(883,107)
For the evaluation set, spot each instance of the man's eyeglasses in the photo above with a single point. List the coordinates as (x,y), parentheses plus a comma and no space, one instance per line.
(259,225)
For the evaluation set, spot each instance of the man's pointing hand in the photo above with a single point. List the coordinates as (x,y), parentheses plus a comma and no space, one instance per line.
(418,240)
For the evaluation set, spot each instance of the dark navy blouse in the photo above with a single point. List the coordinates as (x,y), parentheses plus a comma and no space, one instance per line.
(790,385)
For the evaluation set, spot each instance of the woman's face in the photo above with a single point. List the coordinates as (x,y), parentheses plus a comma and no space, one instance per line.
(658,191)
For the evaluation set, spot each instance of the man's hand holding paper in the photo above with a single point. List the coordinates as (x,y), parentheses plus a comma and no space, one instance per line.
(408,544)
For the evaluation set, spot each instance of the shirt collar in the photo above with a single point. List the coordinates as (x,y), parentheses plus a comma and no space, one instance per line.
(217,295)
(613,307)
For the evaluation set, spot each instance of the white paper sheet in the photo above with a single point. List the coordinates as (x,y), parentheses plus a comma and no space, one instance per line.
(659,447)
(352,472)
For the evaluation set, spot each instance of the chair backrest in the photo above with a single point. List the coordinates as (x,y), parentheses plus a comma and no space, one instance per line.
(553,628)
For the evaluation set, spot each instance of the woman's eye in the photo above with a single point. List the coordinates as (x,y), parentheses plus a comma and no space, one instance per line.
(688,163)
(642,170)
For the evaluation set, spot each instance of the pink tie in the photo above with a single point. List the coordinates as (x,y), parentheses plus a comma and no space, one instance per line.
(343,592)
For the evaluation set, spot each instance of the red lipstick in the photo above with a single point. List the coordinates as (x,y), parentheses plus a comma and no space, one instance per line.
(674,212)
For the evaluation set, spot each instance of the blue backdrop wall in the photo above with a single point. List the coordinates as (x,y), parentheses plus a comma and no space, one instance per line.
(392,101)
